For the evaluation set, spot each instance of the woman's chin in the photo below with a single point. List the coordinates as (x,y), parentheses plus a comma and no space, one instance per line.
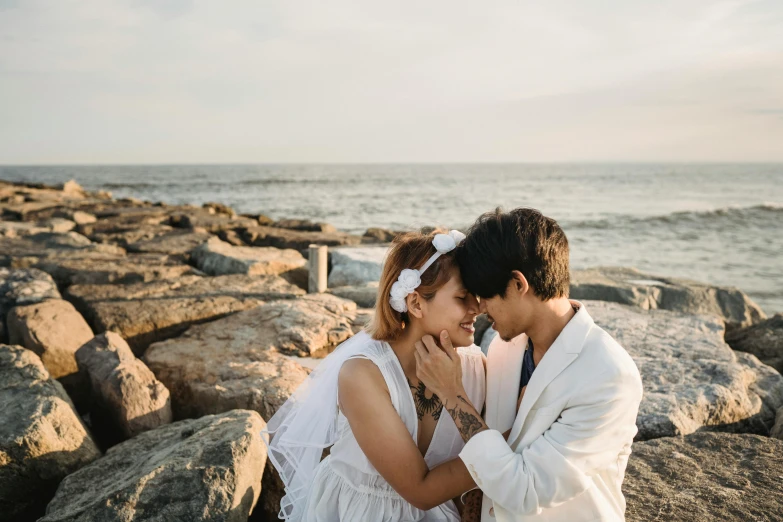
(462,339)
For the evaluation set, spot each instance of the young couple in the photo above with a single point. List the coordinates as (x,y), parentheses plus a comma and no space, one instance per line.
(400,403)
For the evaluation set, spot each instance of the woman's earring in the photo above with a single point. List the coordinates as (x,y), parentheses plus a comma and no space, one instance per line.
(402,325)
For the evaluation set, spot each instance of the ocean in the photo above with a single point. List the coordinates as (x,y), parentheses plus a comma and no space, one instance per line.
(721,224)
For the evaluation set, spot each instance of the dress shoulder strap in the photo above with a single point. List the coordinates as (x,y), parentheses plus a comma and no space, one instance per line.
(381,354)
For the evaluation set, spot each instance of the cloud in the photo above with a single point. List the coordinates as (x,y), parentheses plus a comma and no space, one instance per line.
(304,80)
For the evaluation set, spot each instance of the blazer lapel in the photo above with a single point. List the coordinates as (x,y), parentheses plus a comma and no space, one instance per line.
(504,370)
(562,353)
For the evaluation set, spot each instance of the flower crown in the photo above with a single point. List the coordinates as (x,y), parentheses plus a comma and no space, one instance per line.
(410,279)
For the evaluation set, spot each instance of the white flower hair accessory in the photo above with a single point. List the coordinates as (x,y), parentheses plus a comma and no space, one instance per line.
(410,279)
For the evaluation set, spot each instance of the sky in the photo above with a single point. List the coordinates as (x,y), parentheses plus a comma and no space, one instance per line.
(266,81)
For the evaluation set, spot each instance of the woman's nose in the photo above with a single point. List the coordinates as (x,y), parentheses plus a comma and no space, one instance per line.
(474,305)
(482,306)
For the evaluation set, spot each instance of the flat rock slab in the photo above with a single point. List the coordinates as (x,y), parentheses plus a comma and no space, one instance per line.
(631,287)
(238,361)
(693,381)
(764,340)
(207,469)
(296,239)
(125,395)
(22,287)
(42,438)
(123,235)
(216,257)
(114,269)
(26,251)
(705,476)
(356,266)
(176,242)
(364,296)
(144,313)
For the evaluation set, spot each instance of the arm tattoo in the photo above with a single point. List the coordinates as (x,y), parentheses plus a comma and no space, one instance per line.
(472,509)
(425,405)
(465,417)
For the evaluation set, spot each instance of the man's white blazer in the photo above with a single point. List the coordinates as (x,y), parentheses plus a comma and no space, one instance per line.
(569,445)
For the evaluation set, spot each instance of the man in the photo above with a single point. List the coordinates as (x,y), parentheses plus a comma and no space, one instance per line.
(562,395)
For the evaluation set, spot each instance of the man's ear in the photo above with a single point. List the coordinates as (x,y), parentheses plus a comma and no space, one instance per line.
(519,283)
(414,305)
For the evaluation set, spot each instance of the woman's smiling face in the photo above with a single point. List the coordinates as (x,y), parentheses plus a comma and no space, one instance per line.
(452,309)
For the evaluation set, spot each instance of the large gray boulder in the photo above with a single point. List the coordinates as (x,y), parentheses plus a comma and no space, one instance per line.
(144,313)
(631,287)
(42,438)
(53,330)
(693,381)
(705,476)
(364,296)
(238,361)
(216,257)
(22,287)
(356,266)
(126,398)
(206,469)
(764,340)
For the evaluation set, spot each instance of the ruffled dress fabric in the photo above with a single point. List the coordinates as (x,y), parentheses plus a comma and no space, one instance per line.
(346,486)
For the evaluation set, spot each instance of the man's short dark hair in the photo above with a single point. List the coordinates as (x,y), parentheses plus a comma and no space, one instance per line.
(522,239)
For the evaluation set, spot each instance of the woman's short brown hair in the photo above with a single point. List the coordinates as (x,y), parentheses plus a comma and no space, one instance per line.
(409,250)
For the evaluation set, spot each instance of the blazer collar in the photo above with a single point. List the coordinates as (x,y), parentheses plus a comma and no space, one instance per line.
(562,353)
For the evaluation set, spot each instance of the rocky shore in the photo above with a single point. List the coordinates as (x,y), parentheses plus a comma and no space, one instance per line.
(144,345)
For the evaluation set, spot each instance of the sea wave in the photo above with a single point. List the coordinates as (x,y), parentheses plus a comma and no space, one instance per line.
(190,184)
(761,214)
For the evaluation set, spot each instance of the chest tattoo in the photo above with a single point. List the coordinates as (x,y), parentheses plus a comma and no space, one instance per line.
(425,405)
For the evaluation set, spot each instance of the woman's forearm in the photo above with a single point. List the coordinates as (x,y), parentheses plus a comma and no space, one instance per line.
(441,484)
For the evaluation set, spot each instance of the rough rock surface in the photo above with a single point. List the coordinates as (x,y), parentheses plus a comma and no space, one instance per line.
(22,287)
(629,286)
(236,362)
(53,330)
(126,398)
(210,221)
(705,476)
(693,381)
(114,269)
(364,296)
(777,429)
(304,225)
(42,438)
(216,257)
(143,313)
(207,469)
(379,235)
(298,240)
(356,266)
(764,340)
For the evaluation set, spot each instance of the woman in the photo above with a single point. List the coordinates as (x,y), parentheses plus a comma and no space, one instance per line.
(386,431)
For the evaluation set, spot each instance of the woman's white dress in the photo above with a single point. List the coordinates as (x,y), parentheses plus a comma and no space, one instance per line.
(346,486)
